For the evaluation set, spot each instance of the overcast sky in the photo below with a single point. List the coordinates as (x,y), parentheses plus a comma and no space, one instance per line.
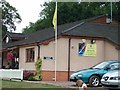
(29,11)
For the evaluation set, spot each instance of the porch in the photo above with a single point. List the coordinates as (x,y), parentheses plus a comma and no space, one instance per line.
(10,58)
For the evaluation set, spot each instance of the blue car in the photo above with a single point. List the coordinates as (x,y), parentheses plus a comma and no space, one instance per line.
(93,75)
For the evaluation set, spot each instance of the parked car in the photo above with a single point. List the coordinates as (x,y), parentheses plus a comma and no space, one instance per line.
(111,78)
(93,75)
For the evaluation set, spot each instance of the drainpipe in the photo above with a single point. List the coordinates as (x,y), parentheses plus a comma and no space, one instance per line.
(1,57)
(38,51)
(69,45)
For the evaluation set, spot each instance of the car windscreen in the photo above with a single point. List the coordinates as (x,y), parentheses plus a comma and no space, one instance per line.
(115,66)
(100,65)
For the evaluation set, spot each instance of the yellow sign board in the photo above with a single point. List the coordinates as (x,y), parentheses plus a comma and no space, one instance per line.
(91,50)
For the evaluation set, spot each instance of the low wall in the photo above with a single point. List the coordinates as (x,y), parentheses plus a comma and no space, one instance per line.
(11,74)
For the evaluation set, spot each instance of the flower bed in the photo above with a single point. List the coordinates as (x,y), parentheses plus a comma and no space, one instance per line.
(27,74)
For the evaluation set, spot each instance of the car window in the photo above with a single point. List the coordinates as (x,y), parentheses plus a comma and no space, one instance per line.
(115,66)
(100,65)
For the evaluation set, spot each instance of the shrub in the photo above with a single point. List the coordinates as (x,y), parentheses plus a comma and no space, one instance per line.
(32,76)
(27,74)
(38,65)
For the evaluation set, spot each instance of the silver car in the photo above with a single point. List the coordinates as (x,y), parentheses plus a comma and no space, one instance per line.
(111,78)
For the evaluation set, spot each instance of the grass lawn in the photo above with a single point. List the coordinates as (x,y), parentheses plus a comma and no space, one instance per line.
(19,84)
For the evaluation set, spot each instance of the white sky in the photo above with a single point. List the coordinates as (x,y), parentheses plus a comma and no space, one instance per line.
(29,11)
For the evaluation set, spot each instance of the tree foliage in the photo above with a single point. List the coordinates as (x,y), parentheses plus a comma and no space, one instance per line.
(10,16)
(70,12)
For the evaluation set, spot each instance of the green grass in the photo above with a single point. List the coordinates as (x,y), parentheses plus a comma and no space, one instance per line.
(19,84)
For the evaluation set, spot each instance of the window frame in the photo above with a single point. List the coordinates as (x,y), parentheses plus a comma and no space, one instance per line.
(28,56)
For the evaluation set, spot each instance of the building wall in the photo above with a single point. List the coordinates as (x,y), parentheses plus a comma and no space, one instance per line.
(105,51)
(49,75)
(111,53)
(22,59)
(83,62)
(49,51)
(102,20)
(77,62)
(48,66)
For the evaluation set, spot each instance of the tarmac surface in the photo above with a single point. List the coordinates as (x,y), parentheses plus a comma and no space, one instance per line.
(72,85)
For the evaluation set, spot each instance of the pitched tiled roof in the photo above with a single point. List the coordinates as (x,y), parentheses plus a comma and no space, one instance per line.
(78,28)
(15,35)
(40,35)
(109,32)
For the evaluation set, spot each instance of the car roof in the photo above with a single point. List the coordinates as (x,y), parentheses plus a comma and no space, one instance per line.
(113,61)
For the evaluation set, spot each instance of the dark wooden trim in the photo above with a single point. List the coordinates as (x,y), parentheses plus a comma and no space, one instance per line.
(5,50)
(6,35)
(69,45)
(27,45)
(27,56)
(2,61)
(29,62)
(46,42)
(81,37)
(38,51)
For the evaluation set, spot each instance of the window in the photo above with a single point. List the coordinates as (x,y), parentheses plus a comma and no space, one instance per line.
(100,65)
(114,66)
(30,55)
(7,39)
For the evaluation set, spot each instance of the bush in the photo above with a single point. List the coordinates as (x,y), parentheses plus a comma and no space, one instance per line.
(38,65)
(31,77)
(27,74)
(34,76)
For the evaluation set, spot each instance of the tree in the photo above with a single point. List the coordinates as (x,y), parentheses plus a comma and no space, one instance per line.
(10,16)
(70,12)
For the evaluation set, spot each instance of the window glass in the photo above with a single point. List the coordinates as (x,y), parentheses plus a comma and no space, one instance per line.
(7,39)
(30,55)
(101,65)
(114,66)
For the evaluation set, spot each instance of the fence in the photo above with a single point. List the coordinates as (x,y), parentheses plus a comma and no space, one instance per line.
(11,74)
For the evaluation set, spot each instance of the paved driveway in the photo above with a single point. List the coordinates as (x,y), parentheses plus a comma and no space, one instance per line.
(61,83)
(66,84)
(71,85)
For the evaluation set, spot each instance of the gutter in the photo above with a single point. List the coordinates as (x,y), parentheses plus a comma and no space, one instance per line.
(69,45)
(38,51)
